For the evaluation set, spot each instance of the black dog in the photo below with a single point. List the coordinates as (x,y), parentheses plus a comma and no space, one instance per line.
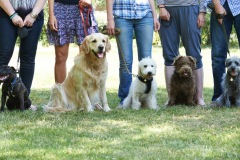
(14,89)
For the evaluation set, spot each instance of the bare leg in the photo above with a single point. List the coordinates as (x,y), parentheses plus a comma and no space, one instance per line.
(60,70)
(199,82)
(168,70)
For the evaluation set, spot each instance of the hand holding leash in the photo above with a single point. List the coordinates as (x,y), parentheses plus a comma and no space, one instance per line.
(220,12)
(116,32)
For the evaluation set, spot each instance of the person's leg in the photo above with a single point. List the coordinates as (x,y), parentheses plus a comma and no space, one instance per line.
(170,39)
(199,76)
(143,29)
(191,39)
(219,49)
(237,27)
(8,36)
(60,68)
(27,51)
(125,38)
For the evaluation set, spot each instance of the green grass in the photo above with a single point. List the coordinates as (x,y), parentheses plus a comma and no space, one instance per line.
(178,132)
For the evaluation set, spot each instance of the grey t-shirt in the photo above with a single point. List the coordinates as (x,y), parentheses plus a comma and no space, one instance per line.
(169,3)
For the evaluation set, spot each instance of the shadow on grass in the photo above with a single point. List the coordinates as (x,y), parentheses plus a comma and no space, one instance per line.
(170,133)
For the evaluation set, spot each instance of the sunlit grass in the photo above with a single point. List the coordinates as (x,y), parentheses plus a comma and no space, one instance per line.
(178,132)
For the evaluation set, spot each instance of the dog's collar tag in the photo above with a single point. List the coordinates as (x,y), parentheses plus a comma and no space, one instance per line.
(231,79)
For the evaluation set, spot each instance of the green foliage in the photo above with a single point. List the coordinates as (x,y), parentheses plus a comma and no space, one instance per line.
(100,5)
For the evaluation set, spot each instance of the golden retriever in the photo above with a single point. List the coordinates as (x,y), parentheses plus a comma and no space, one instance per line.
(84,87)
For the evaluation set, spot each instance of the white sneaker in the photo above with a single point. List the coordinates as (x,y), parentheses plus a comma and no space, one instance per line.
(33,108)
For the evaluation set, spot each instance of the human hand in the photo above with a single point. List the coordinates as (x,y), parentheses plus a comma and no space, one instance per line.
(52,22)
(156,24)
(110,27)
(164,14)
(29,20)
(17,21)
(220,10)
(201,20)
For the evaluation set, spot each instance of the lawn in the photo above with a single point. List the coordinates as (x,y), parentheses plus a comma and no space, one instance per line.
(178,132)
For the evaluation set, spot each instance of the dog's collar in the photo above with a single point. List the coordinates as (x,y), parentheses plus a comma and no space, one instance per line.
(148,83)
(13,84)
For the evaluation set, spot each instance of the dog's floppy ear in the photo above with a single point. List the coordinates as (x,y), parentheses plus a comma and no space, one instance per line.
(227,61)
(139,69)
(84,47)
(193,61)
(108,44)
(176,59)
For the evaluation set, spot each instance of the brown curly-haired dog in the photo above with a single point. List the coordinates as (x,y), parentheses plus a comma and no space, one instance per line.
(182,85)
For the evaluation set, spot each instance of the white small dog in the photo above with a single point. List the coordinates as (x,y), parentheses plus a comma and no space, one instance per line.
(143,89)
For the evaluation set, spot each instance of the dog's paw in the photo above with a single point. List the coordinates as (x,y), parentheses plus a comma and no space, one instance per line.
(155,107)
(136,105)
(106,109)
(90,109)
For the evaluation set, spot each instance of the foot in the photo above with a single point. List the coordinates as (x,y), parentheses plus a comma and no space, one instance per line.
(120,106)
(201,102)
(33,108)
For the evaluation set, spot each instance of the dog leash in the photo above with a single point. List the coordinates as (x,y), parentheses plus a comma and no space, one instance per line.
(117,32)
(17,67)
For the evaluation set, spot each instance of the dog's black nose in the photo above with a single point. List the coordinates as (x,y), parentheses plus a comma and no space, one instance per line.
(100,48)
(149,73)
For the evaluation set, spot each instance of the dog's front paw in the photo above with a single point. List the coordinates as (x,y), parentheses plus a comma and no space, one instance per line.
(90,109)
(136,105)
(170,103)
(155,107)
(106,109)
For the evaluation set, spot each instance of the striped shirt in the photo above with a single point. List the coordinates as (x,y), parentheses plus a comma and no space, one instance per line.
(183,3)
(23,4)
(131,9)
(234,5)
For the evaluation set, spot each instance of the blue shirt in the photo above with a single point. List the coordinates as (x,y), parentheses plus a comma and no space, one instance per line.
(131,9)
(234,5)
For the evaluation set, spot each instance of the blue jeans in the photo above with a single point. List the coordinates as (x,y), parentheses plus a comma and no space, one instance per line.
(27,49)
(219,46)
(143,29)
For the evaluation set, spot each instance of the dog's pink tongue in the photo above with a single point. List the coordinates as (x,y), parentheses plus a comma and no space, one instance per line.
(100,55)
(233,73)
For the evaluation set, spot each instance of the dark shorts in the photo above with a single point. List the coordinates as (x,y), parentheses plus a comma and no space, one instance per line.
(182,25)
(70,28)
